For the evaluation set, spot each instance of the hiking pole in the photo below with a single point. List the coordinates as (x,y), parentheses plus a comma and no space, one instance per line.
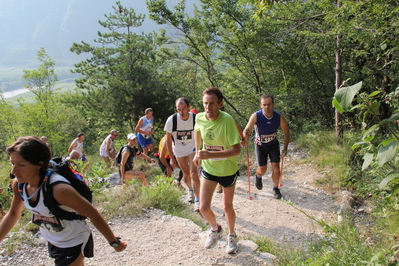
(280,180)
(249,173)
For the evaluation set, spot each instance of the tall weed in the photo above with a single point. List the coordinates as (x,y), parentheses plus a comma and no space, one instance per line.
(330,156)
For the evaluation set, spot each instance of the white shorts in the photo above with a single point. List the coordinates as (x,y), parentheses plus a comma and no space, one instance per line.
(180,153)
(104,154)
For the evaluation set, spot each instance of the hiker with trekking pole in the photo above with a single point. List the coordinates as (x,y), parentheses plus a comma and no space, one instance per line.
(266,122)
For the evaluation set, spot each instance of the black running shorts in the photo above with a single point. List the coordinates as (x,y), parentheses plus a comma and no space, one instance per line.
(272,151)
(65,256)
(225,181)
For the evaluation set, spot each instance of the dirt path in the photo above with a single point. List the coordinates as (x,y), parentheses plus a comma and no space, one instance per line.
(158,239)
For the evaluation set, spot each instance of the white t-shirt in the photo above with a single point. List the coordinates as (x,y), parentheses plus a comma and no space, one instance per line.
(60,233)
(183,137)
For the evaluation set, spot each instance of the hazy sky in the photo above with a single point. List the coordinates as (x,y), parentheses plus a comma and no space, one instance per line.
(27,25)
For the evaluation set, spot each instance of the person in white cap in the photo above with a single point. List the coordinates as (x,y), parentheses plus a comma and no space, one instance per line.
(126,166)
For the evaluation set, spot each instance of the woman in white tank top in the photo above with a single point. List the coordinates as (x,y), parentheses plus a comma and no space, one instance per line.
(69,240)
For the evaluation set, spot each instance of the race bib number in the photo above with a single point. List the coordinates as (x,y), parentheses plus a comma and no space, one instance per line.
(52,224)
(268,138)
(215,148)
(184,135)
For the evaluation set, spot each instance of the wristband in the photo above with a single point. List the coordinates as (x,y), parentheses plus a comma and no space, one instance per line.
(115,243)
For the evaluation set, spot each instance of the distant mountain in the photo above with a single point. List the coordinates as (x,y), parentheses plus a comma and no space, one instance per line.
(27,25)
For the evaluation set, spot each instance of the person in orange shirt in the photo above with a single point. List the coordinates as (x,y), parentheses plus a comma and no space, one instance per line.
(164,160)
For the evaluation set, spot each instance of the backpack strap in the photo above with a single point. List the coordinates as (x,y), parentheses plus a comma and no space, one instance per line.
(51,203)
(194,120)
(21,187)
(174,122)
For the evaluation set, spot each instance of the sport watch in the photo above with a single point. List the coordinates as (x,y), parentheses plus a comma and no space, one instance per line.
(115,243)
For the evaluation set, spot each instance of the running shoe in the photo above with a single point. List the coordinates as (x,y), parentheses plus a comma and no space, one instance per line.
(196,206)
(213,237)
(276,193)
(190,196)
(258,183)
(232,246)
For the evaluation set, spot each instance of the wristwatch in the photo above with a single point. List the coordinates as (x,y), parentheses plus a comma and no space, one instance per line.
(115,243)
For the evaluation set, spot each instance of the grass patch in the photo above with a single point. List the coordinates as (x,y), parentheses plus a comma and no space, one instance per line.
(365,239)
(343,244)
(132,200)
(330,156)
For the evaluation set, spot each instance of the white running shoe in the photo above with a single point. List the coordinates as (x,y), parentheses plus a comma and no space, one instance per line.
(190,196)
(213,237)
(232,246)
(196,206)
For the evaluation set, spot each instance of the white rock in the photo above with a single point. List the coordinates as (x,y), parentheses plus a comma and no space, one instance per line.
(268,257)
(248,246)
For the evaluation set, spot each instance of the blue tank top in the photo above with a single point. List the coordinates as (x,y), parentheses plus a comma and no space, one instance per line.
(266,129)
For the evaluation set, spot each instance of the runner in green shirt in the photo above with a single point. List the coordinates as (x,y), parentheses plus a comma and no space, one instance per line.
(217,132)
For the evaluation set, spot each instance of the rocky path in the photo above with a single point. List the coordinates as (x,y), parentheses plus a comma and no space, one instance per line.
(159,239)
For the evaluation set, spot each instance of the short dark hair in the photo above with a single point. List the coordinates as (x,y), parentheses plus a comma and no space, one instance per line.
(214,90)
(33,150)
(183,99)
(80,134)
(265,96)
(148,110)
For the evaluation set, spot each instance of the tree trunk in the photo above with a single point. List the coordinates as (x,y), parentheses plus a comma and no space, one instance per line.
(338,81)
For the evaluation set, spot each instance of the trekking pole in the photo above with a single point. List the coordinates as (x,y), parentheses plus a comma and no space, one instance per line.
(280,180)
(249,173)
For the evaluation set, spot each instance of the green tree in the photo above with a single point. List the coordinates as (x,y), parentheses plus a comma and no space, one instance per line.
(245,56)
(381,135)
(48,115)
(122,77)
(41,81)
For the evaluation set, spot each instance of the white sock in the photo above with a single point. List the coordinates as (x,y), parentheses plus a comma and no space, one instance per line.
(214,229)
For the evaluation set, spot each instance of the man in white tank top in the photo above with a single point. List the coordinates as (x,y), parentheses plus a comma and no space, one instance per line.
(77,145)
(107,149)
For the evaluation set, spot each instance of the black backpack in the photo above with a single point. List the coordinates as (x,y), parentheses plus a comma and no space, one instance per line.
(62,167)
(118,157)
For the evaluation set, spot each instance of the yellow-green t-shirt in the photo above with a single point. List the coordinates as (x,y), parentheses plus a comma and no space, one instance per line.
(218,135)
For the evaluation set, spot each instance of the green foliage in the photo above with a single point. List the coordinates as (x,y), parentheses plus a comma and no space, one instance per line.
(380,138)
(121,78)
(331,157)
(41,81)
(7,124)
(161,195)
(131,200)
(95,176)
